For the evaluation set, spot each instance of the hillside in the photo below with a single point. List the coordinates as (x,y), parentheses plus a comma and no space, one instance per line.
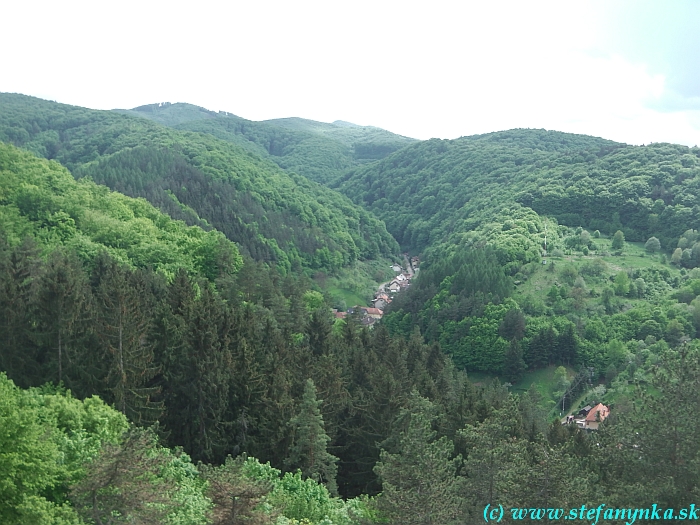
(316,150)
(40,199)
(437,191)
(275,217)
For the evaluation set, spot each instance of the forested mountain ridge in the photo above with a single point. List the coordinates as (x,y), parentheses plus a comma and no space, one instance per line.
(436,191)
(276,217)
(316,150)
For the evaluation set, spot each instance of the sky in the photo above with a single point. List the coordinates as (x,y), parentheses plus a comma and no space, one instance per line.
(626,70)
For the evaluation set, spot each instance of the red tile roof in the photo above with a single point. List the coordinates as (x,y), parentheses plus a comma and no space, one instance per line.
(599,408)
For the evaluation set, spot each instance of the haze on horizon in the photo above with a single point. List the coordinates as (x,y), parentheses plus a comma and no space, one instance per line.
(622,70)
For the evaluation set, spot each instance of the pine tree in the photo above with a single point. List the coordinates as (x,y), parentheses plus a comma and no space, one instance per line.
(309,450)
(319,330)
(124,484)
(541,348)
(496,458)
(122,328)
(193,335)
(567,345)
(19,272)
(514,366)
(236,497)
(419,480)
(61,307)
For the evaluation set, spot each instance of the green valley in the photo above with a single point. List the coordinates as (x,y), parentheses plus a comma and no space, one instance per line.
(170,353)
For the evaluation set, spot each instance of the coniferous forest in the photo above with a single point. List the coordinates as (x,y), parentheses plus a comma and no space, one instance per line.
(170,353)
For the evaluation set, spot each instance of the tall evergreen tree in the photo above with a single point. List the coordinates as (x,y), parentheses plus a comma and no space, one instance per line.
(309,450)
(122,326)
(19,272)
(61,308)
(514,366)
(419,480)
(193,335)
(496,458)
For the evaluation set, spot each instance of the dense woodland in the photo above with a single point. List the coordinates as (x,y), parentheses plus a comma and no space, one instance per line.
(176,361)
(273,216)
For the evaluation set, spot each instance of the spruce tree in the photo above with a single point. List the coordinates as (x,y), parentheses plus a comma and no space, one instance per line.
(193,345)
(514,366)
(419,480)
(309,450)
(61,307)
(19,271)
(122,327)
(496,458)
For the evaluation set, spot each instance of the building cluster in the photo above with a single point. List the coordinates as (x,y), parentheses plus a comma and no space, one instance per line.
(384,295)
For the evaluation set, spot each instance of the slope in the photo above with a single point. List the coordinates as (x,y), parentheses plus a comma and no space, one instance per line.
(275,217)
(437,191)
(40,199)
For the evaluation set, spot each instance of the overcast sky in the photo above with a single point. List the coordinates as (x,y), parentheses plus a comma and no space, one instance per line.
(622,70)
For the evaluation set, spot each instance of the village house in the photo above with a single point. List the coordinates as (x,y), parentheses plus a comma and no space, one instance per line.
(381,301)
(595,416)
(589,417)
(375,313)
(368,321)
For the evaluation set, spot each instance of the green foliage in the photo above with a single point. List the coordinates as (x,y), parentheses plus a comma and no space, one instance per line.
(419,483)
(652,245)
(34,191)
(205,181)
(309,449)
(622,283)
(303,499)
(618,240)
(315,150)
(29,461)
(513,365)
(137,481)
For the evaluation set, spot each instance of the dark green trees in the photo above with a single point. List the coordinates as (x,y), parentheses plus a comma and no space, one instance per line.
(19,270)
(122,325)
(419,479)
(193,344)
(309,449)
(62,305)
(513,363)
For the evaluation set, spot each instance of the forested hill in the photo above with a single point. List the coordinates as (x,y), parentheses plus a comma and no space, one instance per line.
(317,150)
(275,217)
(435,191)
(40,199)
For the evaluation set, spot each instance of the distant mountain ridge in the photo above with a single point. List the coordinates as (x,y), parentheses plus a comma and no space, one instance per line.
(317,150)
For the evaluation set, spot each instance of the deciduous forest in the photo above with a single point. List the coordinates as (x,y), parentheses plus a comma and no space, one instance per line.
(171,350)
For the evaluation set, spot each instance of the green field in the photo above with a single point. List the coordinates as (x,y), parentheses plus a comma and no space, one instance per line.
(542,378)
(357,284)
